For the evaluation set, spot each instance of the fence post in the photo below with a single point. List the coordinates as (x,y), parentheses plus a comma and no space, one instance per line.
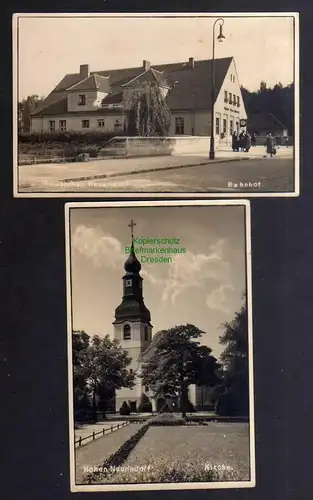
(80,441)
(93,435)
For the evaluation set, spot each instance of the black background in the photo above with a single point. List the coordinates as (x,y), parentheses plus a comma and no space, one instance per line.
(34,456)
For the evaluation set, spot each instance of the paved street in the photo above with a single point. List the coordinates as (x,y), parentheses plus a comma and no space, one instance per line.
(182,174)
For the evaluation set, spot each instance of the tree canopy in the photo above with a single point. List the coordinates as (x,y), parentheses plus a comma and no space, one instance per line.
(25,108)
(177,362)
(234,390)
(99,368)
(277,100)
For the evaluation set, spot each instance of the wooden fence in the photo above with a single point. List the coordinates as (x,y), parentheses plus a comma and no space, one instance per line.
(103,432)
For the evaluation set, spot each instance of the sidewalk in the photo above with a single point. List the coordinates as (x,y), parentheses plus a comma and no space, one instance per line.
(49,174)
(96,452)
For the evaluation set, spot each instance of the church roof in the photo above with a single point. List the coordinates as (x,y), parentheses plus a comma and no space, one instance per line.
(132,309)
(132,264)
(189,85)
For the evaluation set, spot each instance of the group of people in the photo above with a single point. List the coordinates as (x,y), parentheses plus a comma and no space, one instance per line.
(244,141)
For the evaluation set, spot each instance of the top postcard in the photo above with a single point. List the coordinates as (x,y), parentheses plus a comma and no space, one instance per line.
(163,105)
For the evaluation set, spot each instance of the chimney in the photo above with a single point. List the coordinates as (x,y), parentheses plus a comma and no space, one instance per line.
(191,62)
(146,65)
(84,71)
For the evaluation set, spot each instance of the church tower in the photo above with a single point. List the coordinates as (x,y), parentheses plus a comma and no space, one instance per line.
(132,325)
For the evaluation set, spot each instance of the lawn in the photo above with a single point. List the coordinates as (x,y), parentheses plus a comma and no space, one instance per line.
(212,452)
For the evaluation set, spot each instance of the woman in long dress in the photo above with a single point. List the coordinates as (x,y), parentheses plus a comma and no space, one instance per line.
(270,144)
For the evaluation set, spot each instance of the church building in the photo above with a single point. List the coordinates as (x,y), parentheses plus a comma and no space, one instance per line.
(133,330)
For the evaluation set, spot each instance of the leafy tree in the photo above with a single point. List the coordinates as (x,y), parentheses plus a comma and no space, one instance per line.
(25,108)
(148,113)
(278,100)
(234,390)
(100,368)
(179,361)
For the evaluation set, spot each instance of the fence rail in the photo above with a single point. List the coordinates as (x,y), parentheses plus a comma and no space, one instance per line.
(103,432)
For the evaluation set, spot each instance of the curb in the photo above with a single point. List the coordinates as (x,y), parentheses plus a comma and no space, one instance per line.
(154,169)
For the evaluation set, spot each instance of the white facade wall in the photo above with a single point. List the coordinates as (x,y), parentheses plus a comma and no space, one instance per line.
(74,123)
(93,101)
(134,347)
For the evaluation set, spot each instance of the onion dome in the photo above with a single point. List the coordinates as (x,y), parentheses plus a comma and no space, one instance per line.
(132,265)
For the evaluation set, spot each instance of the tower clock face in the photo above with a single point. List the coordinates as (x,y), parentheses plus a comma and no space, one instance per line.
(128,283)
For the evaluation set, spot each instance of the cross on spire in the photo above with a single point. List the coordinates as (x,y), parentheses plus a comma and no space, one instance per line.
(131,225)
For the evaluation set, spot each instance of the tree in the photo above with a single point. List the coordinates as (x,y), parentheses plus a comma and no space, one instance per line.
(179,361)
(145,405)
(100,366)
(148,113)
(234,390)
(25,108)
(278,101)
(80,344)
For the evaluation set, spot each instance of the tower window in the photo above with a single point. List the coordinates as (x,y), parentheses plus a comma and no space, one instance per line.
(146,333)
(126,332)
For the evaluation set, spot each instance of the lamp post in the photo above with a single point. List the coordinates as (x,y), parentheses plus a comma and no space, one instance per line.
(220,38)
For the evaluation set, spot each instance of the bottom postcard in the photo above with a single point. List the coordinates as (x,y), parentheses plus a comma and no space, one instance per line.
(160,345)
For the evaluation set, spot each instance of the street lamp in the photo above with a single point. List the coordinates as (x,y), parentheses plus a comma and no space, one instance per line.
(220,38)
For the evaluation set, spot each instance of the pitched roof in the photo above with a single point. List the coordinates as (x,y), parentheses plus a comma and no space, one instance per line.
(93,82)
(189,86)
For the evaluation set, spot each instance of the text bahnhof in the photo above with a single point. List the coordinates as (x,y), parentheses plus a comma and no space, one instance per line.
(156,250)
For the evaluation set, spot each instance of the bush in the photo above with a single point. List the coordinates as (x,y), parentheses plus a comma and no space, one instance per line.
(124,409)
(145,405)
(166,419)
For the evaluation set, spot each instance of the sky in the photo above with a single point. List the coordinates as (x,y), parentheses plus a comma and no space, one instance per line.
(49,48)
(203,287)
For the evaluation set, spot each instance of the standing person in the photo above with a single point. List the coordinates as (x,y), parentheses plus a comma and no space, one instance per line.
(234,141)
(247,142)
(270,144)
(241,139)
(253,139)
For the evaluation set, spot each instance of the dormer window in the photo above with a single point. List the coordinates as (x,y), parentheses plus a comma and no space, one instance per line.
(81,100)
(126,332)
(225,96)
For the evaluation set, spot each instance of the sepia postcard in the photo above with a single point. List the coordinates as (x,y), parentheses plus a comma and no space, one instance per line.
(160,350)
(165,104)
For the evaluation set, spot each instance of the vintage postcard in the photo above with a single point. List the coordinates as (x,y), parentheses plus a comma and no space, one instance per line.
(156,104)
(160,351)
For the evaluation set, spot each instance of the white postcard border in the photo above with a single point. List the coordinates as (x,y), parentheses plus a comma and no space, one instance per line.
(169,195)
(160,486)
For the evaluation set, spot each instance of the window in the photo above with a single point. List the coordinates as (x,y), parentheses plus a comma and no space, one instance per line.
(62,125)
(230,98)
(85,123)
(126,332)
(118,127)
(225,96)
(233,79)
(52,126)
(179,126)
(231,127)
(217,125)
(81,100)
(224,126)
(237,127)
(238,101)
(101,123)
(146,333)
